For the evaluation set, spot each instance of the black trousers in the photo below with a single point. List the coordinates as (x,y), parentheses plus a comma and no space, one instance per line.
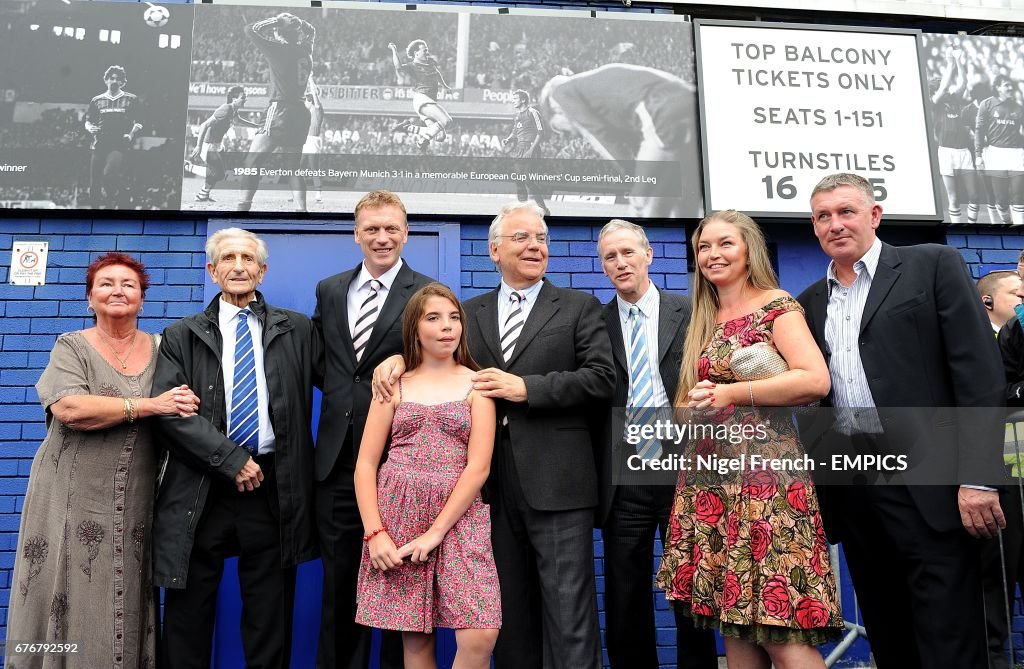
(999,563)
(919,590)
(636,513)
(545,562)
(343,642)
(245,524)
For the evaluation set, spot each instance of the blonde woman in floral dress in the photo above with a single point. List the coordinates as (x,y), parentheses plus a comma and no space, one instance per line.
(82,571)
(745,551)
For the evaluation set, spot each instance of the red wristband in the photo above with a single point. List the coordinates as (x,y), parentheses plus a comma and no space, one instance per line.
(367,537)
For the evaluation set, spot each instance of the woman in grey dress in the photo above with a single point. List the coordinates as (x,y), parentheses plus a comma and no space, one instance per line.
(82,570)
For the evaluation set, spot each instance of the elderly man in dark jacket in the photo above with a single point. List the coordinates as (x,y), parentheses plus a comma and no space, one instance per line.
(238,476)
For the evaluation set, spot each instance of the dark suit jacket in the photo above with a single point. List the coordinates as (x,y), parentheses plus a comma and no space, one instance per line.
(346,384)
(673,319)
(564,357)
(926,345)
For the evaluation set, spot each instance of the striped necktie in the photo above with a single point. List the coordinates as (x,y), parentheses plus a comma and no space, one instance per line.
(513,326)
(368,311)
(245,415)
(641,386)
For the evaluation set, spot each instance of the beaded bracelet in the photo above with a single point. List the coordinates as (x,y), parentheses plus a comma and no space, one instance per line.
(367,537)
(750,389)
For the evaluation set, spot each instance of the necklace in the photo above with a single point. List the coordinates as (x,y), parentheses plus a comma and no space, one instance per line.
(110,344)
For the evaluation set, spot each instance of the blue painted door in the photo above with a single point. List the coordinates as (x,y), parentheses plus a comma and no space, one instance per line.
(302,253)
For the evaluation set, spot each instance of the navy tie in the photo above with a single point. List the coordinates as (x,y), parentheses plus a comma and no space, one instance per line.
(245,414)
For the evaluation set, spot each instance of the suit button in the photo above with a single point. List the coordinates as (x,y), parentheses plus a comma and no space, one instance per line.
(357,379)
(209,387)
(215,459)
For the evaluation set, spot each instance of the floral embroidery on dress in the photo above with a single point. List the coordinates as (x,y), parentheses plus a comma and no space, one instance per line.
(66,434)
(35,551)
(58,614)
(109,390)
(90,534)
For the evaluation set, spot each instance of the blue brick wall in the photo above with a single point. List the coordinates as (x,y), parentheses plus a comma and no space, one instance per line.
(986,250)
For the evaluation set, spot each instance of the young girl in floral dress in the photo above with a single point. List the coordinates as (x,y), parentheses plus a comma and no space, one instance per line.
(428,561)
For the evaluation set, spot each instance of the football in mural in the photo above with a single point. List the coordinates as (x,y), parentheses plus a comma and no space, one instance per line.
(156,16)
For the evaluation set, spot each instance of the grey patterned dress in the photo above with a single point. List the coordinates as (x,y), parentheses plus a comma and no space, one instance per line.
(82,572)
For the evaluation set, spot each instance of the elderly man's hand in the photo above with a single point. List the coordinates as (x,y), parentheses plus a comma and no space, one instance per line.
(248,479)
(980,512)
(495,383)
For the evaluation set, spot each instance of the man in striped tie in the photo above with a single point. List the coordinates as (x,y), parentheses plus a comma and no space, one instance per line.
(239,476)
(548,365)
(358,324)
(647,328)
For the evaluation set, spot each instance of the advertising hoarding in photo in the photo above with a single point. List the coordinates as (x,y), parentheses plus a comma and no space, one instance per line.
(458,110)
(92,101)
(784,106)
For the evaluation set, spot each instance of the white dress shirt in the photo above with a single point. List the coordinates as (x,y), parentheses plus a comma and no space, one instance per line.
(359,290)
(650,306)
(228,321)
(851,394)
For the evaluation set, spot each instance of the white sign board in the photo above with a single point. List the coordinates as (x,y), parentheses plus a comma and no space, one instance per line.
(28,263)
(782,107)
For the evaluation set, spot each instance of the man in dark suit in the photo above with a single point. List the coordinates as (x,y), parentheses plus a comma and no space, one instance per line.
(902,327)
(358,321)
(630,514)
(238,478)
(547,362)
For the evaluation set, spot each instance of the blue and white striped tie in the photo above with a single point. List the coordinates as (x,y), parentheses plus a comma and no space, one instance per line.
(245,414)
(641,387)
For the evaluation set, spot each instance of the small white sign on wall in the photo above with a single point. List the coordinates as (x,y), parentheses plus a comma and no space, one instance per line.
(28,263)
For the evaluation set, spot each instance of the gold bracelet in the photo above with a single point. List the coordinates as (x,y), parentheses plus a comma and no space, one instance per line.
(750,389)
(124,410)
(132,411)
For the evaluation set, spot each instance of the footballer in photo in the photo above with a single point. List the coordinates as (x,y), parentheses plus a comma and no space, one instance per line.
(92,99)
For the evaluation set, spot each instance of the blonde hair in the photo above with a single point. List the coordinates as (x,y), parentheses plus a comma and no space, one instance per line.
(760,275)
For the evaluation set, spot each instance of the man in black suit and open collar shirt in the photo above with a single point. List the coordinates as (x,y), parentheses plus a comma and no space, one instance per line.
(915,374)
(630,514)
(358,322)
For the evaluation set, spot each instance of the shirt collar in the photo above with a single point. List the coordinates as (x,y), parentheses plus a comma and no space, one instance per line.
(227,316)
(528,293)
(386,279)
(868,262)
(645,304)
